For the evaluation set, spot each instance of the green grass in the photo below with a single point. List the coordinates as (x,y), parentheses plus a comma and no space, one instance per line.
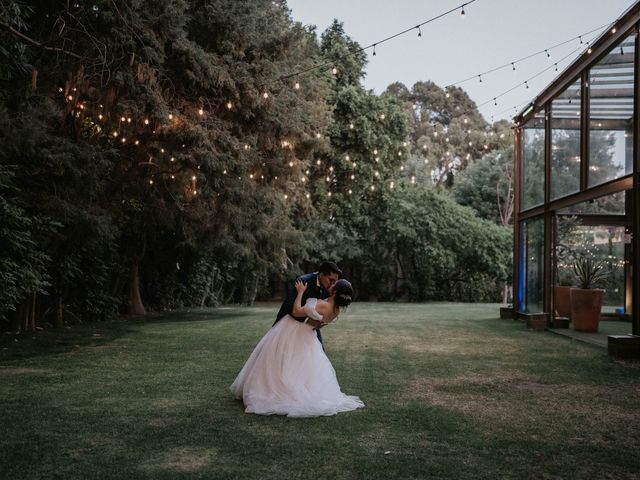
(451,392)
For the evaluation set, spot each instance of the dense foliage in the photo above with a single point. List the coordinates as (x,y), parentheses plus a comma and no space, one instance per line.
(157,155)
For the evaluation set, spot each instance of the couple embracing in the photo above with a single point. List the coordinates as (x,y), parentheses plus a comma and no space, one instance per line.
(288,373)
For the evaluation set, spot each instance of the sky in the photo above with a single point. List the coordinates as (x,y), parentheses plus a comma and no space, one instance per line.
(454,48)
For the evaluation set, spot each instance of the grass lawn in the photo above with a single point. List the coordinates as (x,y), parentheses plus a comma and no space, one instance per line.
(451,392)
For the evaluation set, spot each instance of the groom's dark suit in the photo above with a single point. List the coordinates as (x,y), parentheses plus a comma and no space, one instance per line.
(314,290)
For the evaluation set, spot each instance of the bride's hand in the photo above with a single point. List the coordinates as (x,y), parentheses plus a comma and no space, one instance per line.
(300,287)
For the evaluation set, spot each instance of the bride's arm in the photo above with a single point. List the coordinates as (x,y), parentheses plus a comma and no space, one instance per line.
(298,310)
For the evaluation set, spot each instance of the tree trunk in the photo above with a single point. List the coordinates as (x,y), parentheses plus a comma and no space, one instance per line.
(210,285)
(31,321)
(58,321)
(505,293)
(135,300)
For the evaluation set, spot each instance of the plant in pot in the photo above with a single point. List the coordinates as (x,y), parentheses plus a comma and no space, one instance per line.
(586,300)
(565,254)
(562,297)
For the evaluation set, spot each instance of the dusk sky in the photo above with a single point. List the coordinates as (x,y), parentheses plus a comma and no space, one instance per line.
(453,48)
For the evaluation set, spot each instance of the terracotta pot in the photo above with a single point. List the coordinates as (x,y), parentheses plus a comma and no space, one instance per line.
(585,309)
(562,301)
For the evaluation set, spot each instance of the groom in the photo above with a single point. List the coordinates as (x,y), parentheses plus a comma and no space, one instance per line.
(318,285)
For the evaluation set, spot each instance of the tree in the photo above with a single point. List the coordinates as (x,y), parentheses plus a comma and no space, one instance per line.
(487,186)
(447,132)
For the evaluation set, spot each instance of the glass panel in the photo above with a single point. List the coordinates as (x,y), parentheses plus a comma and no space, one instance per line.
(532,267)
(607,243)
(611,114)
(565,142)
(613,204)
(532,140)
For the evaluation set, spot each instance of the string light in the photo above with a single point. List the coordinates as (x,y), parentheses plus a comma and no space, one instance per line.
(526,57)
(334,69)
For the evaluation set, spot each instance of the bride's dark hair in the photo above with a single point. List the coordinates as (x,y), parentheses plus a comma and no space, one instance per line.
(344,293)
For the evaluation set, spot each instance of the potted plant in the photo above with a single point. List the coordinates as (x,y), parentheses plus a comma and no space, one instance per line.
(561,303)
(564,257)
(562,299)
(586,300)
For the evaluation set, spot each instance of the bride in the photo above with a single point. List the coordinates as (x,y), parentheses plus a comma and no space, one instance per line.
(288,372)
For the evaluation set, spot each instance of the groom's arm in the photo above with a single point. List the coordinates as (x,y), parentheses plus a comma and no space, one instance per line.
(287,305)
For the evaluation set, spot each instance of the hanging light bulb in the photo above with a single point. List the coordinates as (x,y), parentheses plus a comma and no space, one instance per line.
(419,31)
(374,49)
(480,78)
(513,66)
(297,85)
(229,105)
(556,65)
(334,70)
(547,52)
(462,14)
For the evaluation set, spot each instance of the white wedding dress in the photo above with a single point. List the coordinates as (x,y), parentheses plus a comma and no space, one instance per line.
(289,374)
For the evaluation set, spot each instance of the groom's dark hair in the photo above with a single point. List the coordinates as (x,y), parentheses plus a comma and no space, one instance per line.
(328,267)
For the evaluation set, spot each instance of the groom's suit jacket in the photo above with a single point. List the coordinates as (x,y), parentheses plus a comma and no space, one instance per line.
(314,290)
